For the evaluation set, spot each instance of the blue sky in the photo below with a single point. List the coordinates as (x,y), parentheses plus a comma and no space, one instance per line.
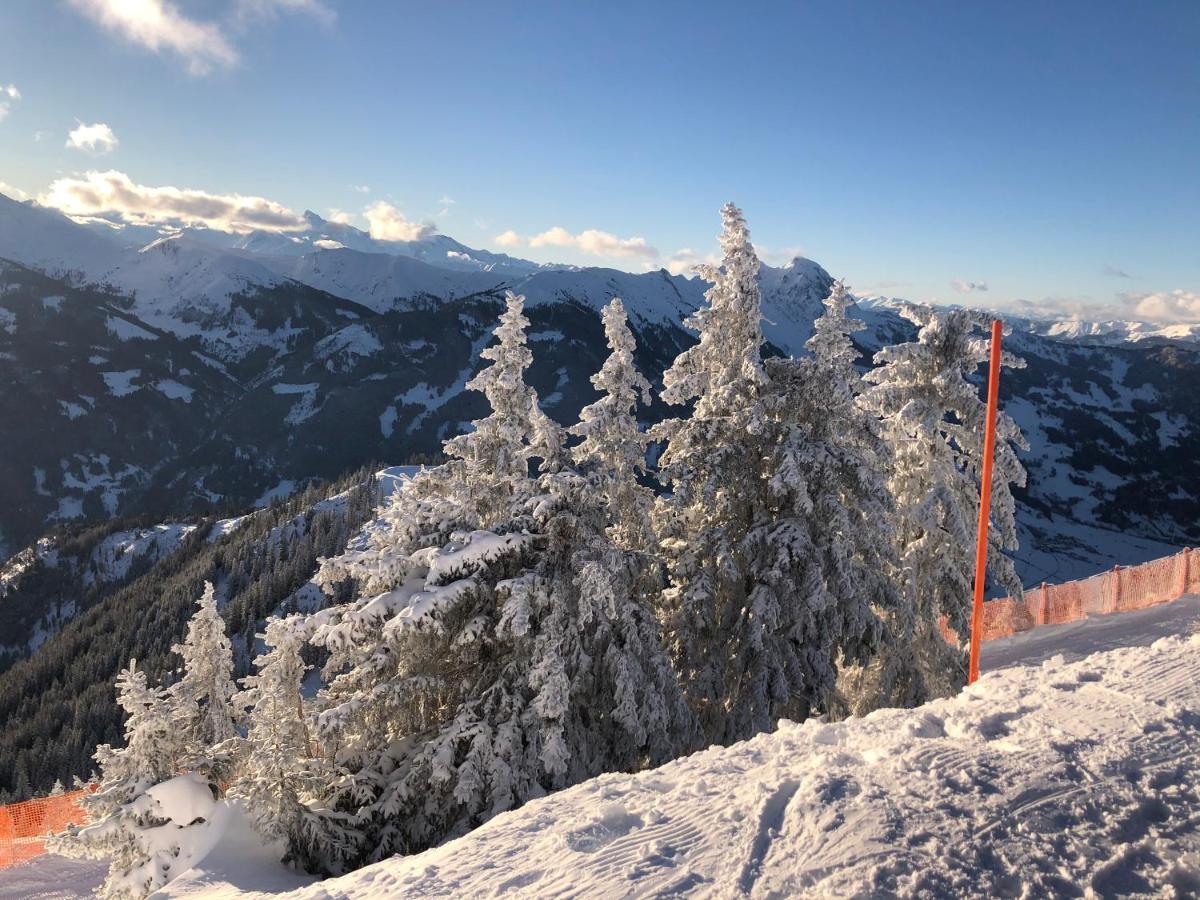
(1048,152)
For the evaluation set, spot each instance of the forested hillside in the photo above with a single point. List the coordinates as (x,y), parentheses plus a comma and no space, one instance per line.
(57,705)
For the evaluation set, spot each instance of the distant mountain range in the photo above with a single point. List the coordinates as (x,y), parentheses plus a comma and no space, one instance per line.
(166,375)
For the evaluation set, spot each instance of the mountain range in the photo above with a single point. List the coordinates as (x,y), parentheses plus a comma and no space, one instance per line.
(164,374)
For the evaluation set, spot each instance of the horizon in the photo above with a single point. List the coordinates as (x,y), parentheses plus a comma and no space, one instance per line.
(1035,161)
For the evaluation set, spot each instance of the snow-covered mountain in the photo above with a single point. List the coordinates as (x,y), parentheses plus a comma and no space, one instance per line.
(195,370)
(322,234)
(1113,332)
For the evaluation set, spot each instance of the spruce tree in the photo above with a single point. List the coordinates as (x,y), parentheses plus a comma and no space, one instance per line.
(120,814)
(831,466)
(934,421)
(751,622)
(280,779)
(203,698)
(481,667)
(490,463)
(613,449)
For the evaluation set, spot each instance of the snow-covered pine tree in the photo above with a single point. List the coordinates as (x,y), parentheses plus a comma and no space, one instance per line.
(613,449)
(492,469)
(118,820)
(279,779)
(934,421)
(486,478)
(203,697)
(752,626)
(482,667)
(830,468)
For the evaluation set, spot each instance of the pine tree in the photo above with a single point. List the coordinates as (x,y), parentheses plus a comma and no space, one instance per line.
(280,780)
(613,447)
(482,667)
(203,697)
(934,421)
(752,625)
(120,813)
(830,466)
(491,471)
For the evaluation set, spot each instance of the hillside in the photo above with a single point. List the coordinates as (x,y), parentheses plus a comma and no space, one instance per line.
(90,601)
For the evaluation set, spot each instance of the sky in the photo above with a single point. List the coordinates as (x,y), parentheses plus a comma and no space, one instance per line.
(1034,156)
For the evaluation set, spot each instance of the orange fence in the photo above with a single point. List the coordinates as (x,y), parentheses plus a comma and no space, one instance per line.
(1117,590)
(25,826)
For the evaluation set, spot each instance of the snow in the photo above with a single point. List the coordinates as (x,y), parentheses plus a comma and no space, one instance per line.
(305,407)
(173,390)
(71,410)
(52,877)
(387,421)
(352,341)
(285,488)
(390,479)
(227,526)
(224,857)
(1069,766)
(183,800)
(120,384)
(1071,769)
(112,557)
(125,330)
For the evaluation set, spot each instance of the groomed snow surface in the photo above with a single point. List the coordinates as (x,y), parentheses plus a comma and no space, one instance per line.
(1072,768)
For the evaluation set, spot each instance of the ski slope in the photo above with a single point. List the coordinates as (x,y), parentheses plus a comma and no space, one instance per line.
(1073,764)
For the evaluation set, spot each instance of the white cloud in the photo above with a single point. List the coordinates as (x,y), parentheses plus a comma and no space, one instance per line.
(1166,306)
(386,223)
(507,239)
(341,217)
(447,200)
(39,136)
(247,10)
(599,243)
(115,196)
(8,95)
(98,138)
(685,261)
(361,188)
(968,287)
(158,25)
(326,244)
(13,191)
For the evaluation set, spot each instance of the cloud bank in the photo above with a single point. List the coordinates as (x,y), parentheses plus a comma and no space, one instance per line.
(114,195)
(591,240)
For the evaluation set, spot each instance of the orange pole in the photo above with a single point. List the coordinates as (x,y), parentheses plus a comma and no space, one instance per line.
(985,502)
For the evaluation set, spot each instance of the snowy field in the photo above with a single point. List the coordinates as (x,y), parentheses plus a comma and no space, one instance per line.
(1072,766)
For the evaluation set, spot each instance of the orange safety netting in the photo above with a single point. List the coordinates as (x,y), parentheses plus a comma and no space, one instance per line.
(25,826)
(1120,589)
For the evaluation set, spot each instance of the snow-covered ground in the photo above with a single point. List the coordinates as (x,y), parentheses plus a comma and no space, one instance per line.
(1072,765)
